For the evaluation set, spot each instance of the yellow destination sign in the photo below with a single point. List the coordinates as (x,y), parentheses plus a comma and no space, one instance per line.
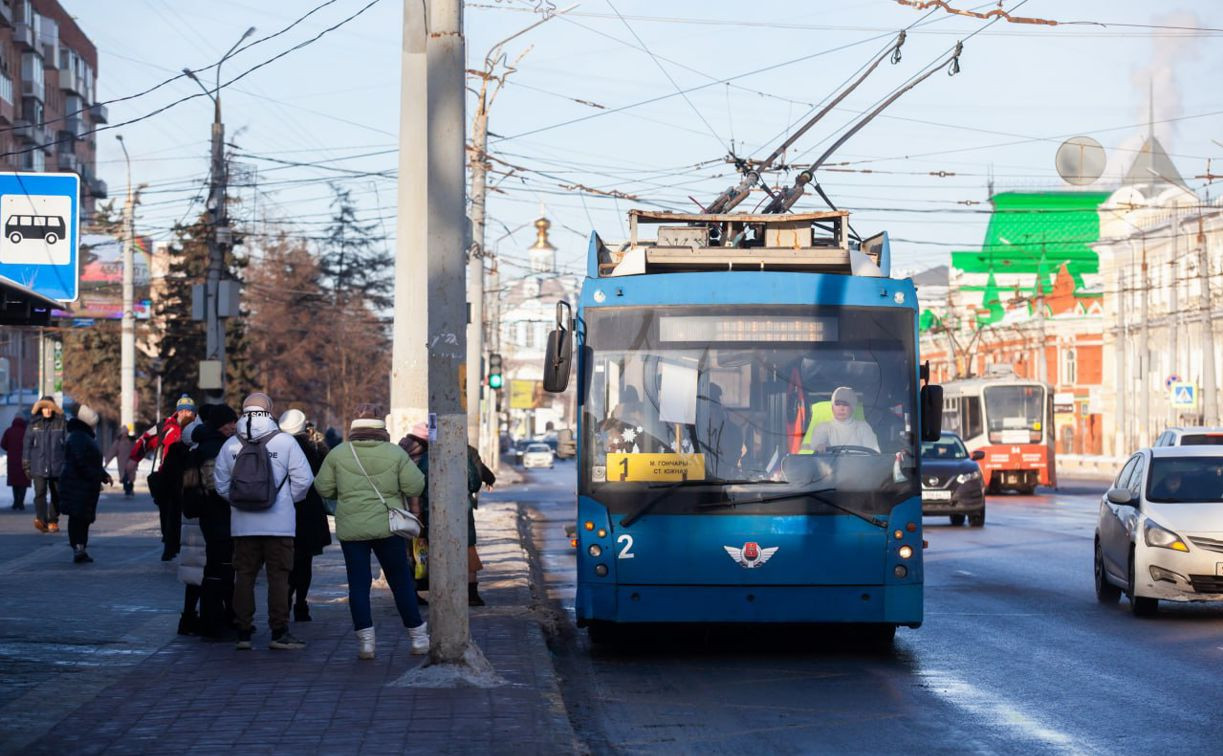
(655,467)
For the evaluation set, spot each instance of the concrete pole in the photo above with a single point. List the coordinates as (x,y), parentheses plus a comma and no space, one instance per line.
(1172,311)
(1210,401)
(492,436)
(409,366)
(475,268)
(450,634)
(1144,353)
(214,348)
(1121,386)
(127,336)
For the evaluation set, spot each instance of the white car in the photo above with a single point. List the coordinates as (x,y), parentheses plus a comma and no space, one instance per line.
(538,455)
(1159,536)
(1190,437)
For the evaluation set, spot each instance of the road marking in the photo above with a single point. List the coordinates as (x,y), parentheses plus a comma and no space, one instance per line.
(998,711)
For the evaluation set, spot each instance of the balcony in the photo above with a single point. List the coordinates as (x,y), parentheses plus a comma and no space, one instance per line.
(6,13)
(74,126)
(97,187)
(68,161)
(70,82)
(27,132)
(98,111)
(23,36)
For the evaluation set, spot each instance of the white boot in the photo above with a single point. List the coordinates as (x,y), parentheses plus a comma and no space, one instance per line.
(420,639)
(365,643)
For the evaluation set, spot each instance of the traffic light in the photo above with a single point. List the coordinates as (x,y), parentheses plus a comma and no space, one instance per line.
(495,380)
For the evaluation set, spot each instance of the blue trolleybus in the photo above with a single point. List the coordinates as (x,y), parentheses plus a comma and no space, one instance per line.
(751,411)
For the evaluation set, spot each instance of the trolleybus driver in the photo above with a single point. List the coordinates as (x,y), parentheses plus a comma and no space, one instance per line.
(843,429)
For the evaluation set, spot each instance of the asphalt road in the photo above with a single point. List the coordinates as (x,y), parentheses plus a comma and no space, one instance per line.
(1015,656)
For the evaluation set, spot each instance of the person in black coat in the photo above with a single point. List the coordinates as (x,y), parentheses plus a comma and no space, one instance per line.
(42,456)
(313,533)
(81,481)
(216,618)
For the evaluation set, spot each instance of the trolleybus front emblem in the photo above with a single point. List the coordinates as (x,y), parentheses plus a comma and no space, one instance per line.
(751,555)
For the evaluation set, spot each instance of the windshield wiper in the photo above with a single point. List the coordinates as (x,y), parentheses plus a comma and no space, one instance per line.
(877,522)
(665,488)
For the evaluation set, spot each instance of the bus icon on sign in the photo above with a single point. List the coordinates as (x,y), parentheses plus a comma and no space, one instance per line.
(49,228)
(36,229)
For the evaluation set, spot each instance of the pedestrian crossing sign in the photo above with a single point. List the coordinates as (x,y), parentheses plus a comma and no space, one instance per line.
(1184,395)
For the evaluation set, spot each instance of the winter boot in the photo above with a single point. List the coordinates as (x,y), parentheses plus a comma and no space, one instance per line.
(39,525)
(79,555)
(473,596)
(420,639)
(365,643)
(52,527)
(189,623)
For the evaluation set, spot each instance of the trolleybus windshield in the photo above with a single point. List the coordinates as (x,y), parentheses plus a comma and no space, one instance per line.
(713,405)
(1015,414)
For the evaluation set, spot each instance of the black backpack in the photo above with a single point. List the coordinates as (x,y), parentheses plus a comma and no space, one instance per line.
(252,485)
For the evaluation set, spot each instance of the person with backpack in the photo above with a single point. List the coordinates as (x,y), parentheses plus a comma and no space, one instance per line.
(262,472)
(368,476)
(158,441)
(80,482)
(313,534)
(42,457)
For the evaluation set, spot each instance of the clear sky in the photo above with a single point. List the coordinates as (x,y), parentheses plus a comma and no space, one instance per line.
(1021,90)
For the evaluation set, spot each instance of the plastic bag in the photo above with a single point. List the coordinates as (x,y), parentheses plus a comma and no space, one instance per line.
(420,557)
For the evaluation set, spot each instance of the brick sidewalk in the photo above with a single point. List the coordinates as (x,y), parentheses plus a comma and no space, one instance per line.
(188,695)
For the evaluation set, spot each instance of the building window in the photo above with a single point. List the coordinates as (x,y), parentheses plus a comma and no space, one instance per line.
(6,88)
(32,82)
(1068,370)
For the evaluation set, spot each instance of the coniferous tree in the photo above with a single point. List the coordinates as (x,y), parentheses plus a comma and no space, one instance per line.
(353,256)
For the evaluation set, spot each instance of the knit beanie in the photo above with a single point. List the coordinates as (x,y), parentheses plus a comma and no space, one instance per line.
(87,415)
(257,402)
(185,402)
(293,421)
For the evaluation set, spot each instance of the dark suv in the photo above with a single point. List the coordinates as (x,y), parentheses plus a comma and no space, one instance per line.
(951,481)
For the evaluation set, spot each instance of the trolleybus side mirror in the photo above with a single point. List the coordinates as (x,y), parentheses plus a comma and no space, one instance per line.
(931,412)
(978,455)
(558,359)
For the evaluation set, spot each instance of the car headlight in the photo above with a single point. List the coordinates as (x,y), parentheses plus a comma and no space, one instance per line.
(965,477)
(1162,538)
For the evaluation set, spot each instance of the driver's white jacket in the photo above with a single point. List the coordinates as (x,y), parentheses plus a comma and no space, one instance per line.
(851,432)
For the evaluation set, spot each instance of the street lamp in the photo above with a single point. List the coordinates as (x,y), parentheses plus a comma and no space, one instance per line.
(214,350)
(127,342)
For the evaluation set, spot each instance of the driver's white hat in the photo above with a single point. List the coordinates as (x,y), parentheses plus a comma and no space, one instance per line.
(845,394)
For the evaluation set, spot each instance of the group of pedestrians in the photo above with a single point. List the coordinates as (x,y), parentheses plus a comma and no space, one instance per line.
(243,493)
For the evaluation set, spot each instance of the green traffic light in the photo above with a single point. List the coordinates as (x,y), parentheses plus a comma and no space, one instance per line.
(494,381)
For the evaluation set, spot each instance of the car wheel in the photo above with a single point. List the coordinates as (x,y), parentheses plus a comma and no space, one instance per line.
(977,519)
(957,519)
(995,487)
(1106,592)
(1140,606)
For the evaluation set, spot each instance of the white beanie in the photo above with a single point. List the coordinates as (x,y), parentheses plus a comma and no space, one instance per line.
(87,415)
(293,421)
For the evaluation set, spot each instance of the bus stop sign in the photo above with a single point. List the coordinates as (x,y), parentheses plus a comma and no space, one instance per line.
(40,218)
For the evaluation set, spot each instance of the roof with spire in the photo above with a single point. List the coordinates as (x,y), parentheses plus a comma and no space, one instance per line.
(1152,166)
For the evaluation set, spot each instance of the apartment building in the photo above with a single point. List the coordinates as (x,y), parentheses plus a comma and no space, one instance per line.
(48,74)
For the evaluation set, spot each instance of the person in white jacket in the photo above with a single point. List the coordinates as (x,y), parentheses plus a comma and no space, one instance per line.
(843,429)
(265,536)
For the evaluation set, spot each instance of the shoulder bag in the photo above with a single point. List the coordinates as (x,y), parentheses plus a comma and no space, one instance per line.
(402,522)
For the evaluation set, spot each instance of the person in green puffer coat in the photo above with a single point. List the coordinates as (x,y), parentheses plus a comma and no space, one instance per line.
(366,475)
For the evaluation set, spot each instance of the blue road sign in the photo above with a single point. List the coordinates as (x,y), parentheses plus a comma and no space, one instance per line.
(40,219)
(1184,395)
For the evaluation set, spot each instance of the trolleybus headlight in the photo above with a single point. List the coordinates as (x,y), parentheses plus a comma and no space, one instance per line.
(601,570)
(906,551)
(602,533)
(900,570)
(588,525)
(898,535)
(1162,538)
(594,550)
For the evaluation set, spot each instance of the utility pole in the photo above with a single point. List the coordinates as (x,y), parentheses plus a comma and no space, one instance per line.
(1042,366)
(1210,406)
(475,261)
(1144,350)
(452,654)
(409,366)
(219,240)
(127,337)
